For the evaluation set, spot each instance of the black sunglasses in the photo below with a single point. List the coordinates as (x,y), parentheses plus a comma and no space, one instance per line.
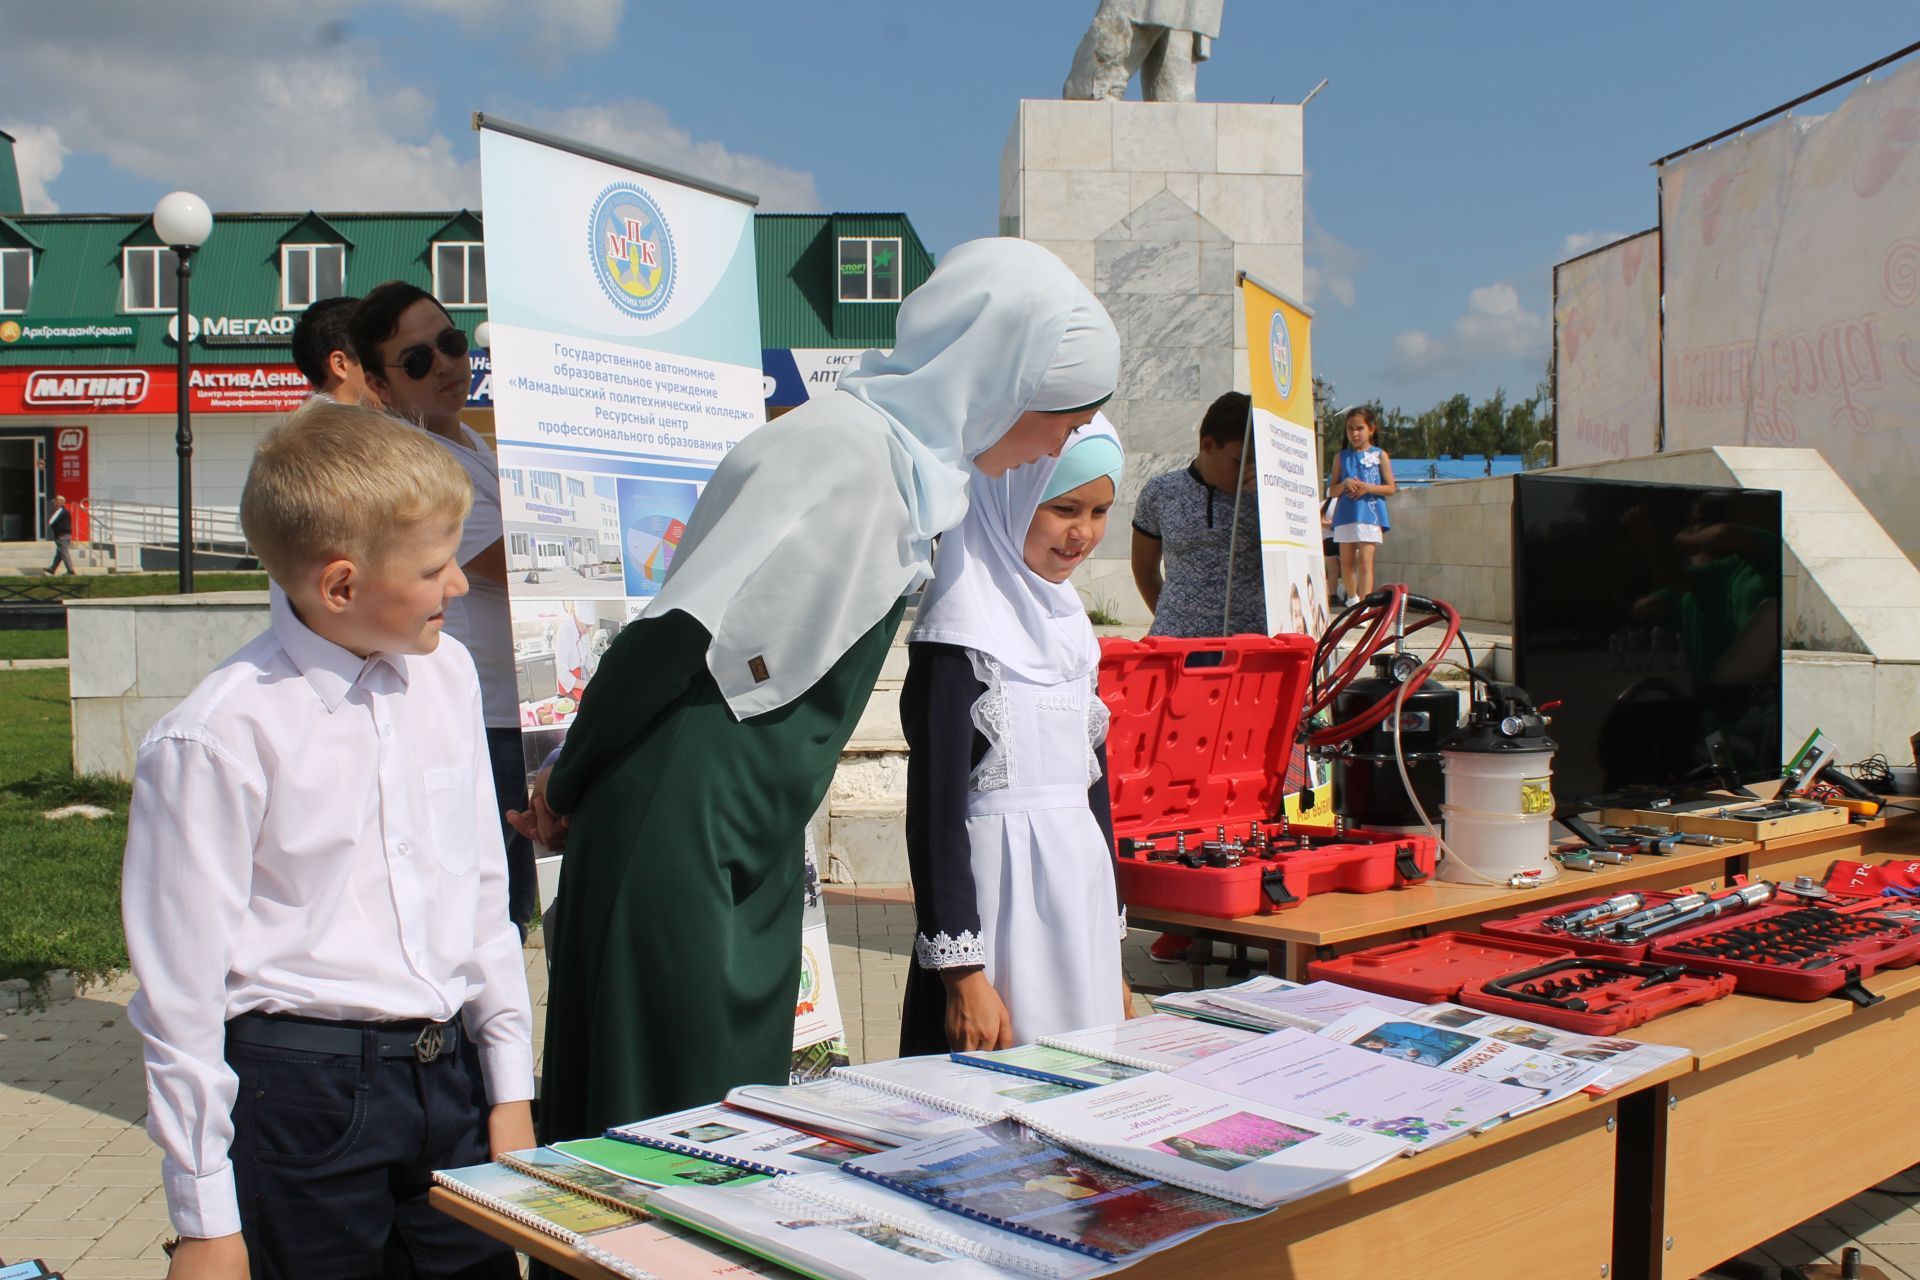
(417,362)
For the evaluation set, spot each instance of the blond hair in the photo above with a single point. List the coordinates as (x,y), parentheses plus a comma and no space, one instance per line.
(341,481)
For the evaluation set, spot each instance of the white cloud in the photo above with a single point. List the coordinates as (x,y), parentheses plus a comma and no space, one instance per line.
(1579,242)
(645,132)
(1332,264)
(276,105)
(1494,326)
(38,155)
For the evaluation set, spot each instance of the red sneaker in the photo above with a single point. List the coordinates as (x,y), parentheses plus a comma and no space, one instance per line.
(1170,948)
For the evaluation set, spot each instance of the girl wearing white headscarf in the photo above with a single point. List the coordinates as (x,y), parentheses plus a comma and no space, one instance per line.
(712,726)
(1009,833)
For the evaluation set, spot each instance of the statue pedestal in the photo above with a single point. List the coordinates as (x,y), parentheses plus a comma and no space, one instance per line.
(1157,206)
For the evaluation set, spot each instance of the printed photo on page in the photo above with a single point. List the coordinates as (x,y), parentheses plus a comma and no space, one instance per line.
(1018,1180)
(729,1133)
(1308,1008)
(1338,1084)
(1198,1137)
(1401,1039)
(1159,1041)
(1623,1060)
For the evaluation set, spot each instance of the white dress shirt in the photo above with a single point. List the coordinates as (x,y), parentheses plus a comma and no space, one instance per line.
(481,619)
(312,833)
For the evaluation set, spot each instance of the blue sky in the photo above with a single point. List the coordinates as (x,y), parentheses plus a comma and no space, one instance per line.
(1458,152)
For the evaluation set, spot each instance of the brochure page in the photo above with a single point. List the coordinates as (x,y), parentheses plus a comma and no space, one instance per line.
(1342,1085)
(1159,1041)
(1194,1136)
(1624,1060)
(1309,1008)
(1043,1062)
(956,1086)
(1402,1039)
(843,1108)
(729,1133)
(1012,1177)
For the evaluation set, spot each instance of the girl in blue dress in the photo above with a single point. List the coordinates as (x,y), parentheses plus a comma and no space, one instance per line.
(1361,481)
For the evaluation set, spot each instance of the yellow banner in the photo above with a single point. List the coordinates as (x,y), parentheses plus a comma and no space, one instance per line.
(1279,353)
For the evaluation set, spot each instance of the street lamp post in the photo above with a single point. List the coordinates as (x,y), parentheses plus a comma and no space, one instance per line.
(183,222)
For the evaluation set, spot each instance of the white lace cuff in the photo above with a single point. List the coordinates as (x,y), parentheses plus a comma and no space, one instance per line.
(943,951)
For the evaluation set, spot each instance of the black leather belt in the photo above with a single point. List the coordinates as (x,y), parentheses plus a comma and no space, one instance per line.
(421,1041)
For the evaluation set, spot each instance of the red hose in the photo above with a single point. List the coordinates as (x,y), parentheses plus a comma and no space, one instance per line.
(1378,614)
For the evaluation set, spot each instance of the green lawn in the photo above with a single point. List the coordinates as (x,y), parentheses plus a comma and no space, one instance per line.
(60,908)
(33,644)
(100,586)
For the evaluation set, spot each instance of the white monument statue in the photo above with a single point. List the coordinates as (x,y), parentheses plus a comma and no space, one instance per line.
(1162,40)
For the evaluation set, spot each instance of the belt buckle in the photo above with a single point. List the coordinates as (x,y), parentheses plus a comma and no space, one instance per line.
(427,1045)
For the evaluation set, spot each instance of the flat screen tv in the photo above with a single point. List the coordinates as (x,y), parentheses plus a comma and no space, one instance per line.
(1651,614)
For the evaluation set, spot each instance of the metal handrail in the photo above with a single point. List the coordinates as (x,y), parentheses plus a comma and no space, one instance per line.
(154,524)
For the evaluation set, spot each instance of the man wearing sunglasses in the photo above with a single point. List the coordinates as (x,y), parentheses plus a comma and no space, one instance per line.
(415,360)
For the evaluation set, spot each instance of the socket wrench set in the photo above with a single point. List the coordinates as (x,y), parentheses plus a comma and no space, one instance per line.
(1594,996)
(1795,950)
(1198,742)
(1585,926)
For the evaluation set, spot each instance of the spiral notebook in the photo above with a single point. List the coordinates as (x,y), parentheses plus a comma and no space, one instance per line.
(834,1227)
(556,1211)
(841,1108)
(576,1175)
(739,1138)
(1055,1066)
(941,1081)
(1193,1136)
(652,1167)
(1157,1042)
(1207,1002)
(1015,1179)
(667,1251)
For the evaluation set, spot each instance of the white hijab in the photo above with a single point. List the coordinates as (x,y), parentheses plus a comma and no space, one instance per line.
(985,598)
(815,524)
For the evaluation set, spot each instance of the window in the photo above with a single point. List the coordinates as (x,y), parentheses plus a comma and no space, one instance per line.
(517,478)
(311,272)
(518,544)
(869,269)
(576,488)
(16,279)
(460,273)
(150,279)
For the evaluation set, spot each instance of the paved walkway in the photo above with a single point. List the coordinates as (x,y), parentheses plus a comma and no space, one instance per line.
(80,1182)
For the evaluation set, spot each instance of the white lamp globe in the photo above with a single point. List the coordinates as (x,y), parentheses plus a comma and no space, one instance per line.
(182,218)
(483,336)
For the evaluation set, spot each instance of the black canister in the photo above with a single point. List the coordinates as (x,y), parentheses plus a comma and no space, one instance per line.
(1367,789)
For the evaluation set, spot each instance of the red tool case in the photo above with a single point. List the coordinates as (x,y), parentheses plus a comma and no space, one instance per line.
(1531,927)
(1429,970)
(1618,995)
(1880,943)
(1199,739)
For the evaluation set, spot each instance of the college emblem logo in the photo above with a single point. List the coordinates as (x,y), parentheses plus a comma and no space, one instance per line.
(1280,351)
(9,331)
(632,251)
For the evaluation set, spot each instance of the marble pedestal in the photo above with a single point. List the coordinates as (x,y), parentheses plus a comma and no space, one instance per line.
(1158,206)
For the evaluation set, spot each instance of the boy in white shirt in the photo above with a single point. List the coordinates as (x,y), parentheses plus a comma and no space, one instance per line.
(332,1000)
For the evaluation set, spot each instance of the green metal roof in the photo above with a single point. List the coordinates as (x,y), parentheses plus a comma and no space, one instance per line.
(798,258)
(77,275)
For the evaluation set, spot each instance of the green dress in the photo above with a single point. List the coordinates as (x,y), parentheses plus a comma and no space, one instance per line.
(676,961)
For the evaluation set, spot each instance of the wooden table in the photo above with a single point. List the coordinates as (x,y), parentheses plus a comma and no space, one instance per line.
(1781,1110)
(1330,923)
(1429,1214)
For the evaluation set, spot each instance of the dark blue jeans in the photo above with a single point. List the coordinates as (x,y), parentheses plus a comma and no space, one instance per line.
(510,791)
(333,1157)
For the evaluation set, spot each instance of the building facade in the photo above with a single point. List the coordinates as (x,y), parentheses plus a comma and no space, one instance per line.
(88,357)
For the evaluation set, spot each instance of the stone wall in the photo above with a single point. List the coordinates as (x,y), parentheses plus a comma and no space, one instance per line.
(1158,206)
(132,660)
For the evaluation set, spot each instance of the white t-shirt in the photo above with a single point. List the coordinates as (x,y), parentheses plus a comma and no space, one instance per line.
(480,619)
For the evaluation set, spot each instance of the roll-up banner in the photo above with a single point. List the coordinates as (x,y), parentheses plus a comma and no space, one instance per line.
(1606,336)
(1286,459)
(625,343)
(1286,455)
